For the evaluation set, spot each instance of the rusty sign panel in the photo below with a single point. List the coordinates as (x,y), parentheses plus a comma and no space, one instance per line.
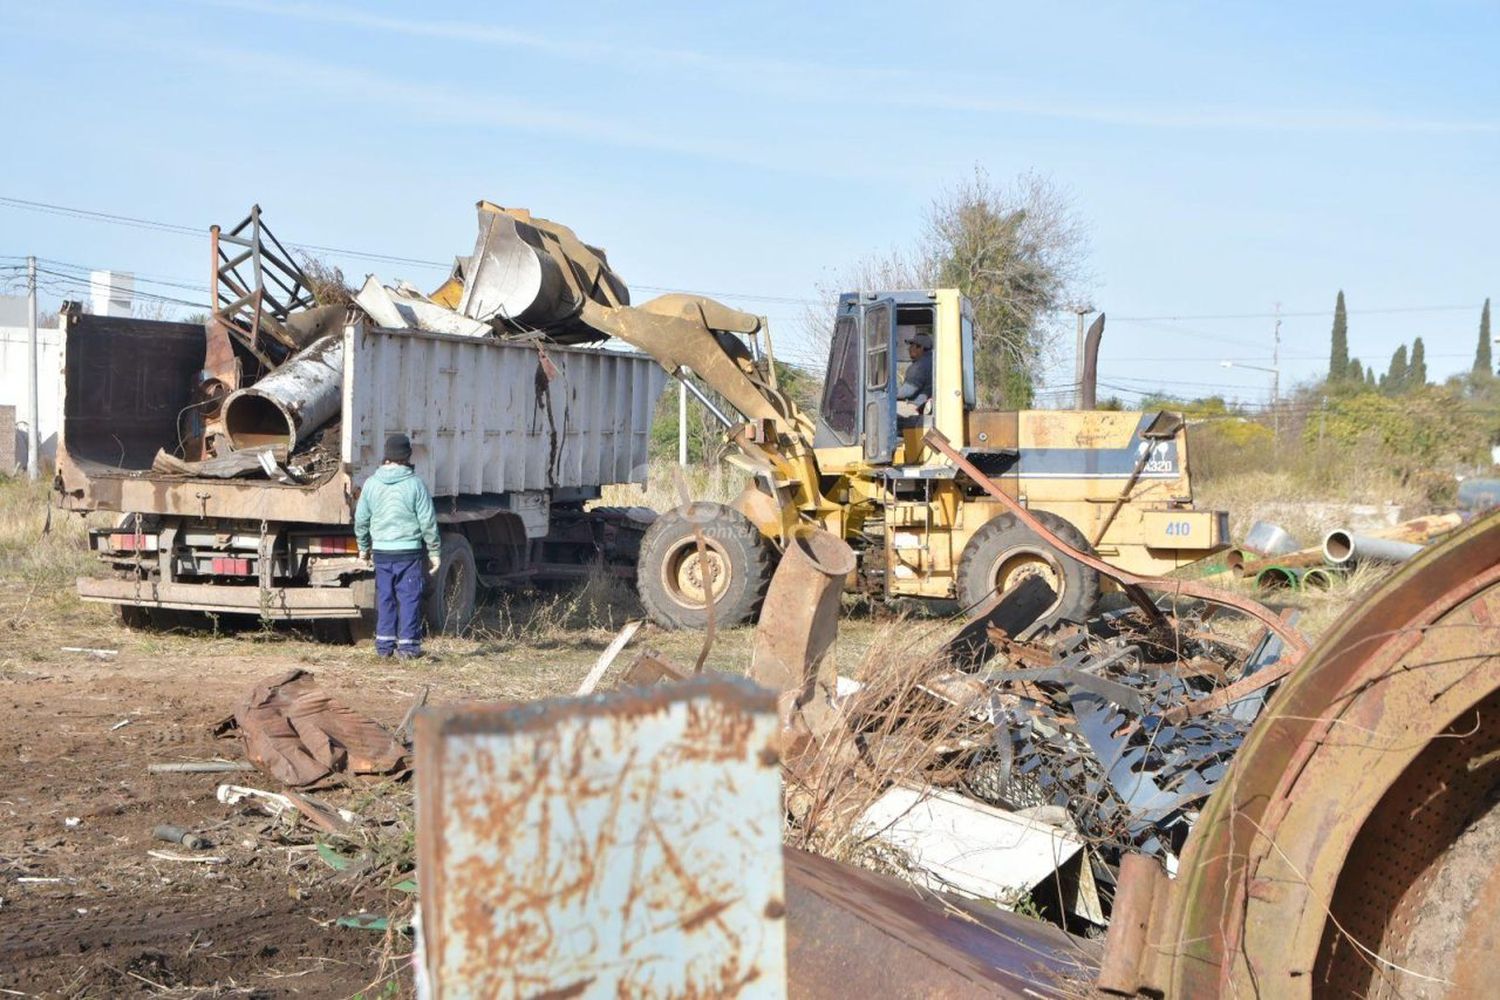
(619,845)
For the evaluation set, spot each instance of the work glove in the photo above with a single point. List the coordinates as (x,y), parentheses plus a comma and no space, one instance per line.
(364,557)
(433,562)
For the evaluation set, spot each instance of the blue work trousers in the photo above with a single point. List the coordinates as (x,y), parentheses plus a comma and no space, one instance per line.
(399,577)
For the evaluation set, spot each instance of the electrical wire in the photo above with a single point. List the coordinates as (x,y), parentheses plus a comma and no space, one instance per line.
(155,225)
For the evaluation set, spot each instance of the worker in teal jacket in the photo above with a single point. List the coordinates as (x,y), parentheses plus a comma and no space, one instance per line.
(395,524)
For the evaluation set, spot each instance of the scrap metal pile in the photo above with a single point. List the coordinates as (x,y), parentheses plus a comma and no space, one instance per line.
(1091,724)
(1087,740)
(268,400)
(1274,560)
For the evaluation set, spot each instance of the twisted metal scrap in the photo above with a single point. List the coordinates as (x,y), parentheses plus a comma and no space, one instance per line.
(1092,735)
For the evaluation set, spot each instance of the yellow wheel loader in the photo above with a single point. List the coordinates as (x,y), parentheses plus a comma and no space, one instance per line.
(1110,482)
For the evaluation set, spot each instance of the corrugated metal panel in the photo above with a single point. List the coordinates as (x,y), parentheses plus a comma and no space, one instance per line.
(622,845)
(484,417)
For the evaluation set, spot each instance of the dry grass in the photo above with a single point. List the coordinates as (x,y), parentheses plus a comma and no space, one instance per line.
(1283,497)
(42,552)
(891,731)
(1318,609)
(715,482)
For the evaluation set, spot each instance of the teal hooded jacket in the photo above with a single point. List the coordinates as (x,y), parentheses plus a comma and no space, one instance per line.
(395,513)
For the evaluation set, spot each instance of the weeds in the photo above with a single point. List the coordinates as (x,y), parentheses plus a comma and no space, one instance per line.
(715,483)
(902,733)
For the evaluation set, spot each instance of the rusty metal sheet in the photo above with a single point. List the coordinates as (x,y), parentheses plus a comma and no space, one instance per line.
(616,845)
(1318,867)
(853,933)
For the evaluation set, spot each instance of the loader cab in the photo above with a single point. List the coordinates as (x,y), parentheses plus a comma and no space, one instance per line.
(870,358)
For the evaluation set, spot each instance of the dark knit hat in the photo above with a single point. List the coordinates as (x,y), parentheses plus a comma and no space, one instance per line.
(398,448)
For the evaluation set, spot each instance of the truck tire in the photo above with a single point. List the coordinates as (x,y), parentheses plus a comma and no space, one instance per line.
(139,619)
(1005,550)
(670,579)
(134,617)
(453,590)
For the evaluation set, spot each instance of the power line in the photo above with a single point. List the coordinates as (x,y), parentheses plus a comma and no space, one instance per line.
(178,229)
(156,225)
(1306,314)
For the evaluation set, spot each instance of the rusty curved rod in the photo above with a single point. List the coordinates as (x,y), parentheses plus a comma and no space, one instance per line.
(1296,645)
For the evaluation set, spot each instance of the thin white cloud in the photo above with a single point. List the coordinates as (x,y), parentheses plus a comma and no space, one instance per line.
(730,66)
(392,101)
(890,87)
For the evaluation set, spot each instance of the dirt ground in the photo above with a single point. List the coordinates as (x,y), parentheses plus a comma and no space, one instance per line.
(85,911)
(102,918)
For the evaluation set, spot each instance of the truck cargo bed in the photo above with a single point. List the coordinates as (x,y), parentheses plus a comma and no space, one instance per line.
(487,419)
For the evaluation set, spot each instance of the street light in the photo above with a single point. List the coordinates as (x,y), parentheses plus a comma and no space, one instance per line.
(1275,389)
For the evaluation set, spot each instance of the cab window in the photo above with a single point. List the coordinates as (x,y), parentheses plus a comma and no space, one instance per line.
(877,347)
(840,411)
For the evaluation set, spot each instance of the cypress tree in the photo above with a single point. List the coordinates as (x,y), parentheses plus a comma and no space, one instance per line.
(1395,376)
(1338,356)
(1370,378)
(1356,372)
(1416,372)
(1483,365)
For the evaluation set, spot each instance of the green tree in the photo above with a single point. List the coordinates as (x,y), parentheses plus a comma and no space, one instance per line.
(1395,376)
(1416,372)
(1338,356)
(1370,382)
(1421,437)
(1483,362)
(1355,373)
(705,435)
(1016,252)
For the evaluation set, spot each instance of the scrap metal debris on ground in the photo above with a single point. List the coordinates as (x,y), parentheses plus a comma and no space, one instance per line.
(302,737)
(1109,733)
(1275,560)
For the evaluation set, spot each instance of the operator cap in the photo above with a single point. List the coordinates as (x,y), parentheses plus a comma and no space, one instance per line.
(922,340)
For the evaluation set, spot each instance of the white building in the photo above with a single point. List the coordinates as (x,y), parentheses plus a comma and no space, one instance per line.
(110,292)
(13,389)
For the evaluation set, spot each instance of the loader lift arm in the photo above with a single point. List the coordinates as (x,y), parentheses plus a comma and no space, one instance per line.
(693,333)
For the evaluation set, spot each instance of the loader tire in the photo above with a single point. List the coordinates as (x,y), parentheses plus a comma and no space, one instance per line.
(1004,551)
(671,581)
(453,591)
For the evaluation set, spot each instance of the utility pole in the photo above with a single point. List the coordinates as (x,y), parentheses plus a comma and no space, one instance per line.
(1276,378)
(1080,310)
(682,419)
(33,404)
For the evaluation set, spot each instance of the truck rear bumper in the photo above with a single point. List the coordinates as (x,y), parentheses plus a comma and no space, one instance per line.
(279,603)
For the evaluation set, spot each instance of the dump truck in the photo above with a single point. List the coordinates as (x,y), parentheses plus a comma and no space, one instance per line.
(512,438)
(1112,483)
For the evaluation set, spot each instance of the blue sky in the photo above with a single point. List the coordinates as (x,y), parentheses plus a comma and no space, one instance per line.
(1225,156)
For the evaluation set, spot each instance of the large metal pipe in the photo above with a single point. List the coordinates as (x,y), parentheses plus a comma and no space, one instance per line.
(1277,578)
(1318,578)
(799,621)
(1344,546)
(291,402)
